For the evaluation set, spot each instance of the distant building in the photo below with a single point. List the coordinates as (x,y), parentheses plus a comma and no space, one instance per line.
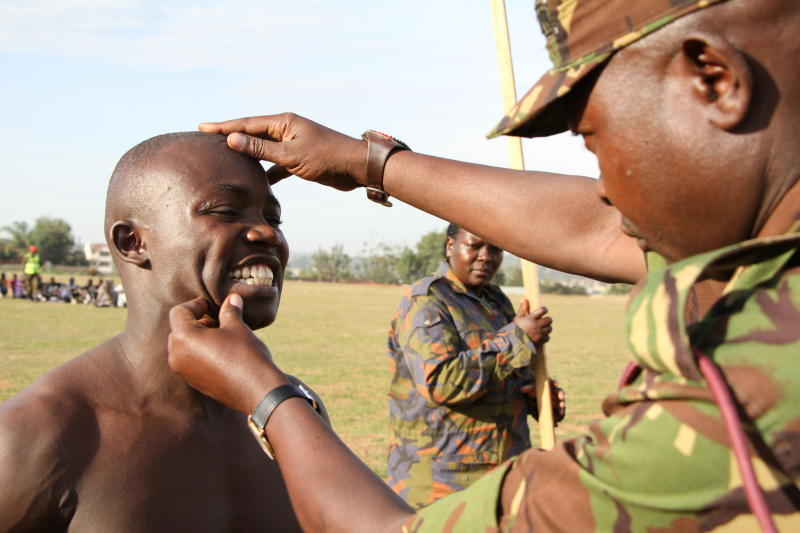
(99,257)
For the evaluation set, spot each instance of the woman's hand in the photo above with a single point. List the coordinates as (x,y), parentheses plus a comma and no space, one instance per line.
(536,325)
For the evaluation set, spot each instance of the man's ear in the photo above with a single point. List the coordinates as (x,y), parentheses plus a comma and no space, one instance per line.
(128,243)
(448,247)
(722,80)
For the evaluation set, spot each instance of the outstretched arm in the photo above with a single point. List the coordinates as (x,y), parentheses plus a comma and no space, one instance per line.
(330,488)
(554,220)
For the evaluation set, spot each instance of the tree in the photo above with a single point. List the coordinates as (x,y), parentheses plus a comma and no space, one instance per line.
(76,256)
(409,266)
(379,265)
(21,238)
(320,261)
(429,252)
(333,265)
(339,263)
(514,277)
(54,238)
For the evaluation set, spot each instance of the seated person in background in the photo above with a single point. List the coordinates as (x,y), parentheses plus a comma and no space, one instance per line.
(50,290)
(17,287)
(463,382)
(105,294)
(113,440)
(88,291)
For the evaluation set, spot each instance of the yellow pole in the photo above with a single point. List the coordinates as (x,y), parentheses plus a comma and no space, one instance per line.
(530,279)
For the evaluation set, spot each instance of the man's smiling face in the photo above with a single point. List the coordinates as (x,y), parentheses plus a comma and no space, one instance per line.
(216,230)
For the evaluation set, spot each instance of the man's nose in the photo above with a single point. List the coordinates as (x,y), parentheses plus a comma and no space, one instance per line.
(484,254)
(263,233)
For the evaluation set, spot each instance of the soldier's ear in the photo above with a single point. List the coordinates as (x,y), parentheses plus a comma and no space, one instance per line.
(721,79)
(128,243)
(448,247)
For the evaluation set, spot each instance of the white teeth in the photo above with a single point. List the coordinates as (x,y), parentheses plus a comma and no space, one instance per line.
(260,275)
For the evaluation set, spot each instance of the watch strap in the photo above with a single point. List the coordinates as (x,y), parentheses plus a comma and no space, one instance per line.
(257,421)
(273,398)
(379,147)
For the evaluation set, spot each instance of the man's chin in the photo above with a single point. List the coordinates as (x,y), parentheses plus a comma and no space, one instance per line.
(257,320)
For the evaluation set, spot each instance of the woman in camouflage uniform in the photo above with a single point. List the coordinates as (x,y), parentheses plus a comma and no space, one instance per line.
(462,383)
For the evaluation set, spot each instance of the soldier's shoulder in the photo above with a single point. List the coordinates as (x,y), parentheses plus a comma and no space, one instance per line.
(425,286)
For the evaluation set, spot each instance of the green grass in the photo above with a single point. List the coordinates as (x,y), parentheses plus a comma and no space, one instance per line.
(333,337)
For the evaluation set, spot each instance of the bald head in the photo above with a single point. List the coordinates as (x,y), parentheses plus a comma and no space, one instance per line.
(141,173)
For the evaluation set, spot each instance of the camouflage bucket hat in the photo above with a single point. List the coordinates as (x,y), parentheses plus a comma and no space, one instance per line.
(580,35)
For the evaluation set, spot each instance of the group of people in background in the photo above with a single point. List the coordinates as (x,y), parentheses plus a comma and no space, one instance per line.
(100,292)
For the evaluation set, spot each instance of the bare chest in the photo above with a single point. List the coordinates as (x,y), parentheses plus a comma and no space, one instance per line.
(171,475)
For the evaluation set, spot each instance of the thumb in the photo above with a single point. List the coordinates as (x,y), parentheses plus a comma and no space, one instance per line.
(231,311)
(524,307)
(276,173)
(252,146)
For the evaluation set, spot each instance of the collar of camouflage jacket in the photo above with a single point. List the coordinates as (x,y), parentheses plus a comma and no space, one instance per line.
(657,333)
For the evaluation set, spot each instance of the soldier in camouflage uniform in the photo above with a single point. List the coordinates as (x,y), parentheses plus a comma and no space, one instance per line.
(461,369)
(691,109)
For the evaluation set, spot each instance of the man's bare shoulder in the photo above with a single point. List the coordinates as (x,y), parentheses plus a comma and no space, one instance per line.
(48,434)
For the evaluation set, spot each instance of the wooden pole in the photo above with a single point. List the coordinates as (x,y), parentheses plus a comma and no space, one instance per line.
(530,278)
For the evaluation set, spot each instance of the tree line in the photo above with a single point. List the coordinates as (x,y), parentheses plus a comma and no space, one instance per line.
(381,263)
(52,236)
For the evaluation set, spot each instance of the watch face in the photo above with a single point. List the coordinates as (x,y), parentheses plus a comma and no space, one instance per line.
(261,437)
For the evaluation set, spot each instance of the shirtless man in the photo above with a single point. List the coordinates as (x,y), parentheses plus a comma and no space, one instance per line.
(114,441)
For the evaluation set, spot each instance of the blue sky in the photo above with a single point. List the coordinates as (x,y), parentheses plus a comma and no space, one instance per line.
(84,80)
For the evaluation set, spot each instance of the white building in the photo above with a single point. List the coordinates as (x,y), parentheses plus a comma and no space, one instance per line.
(99,257)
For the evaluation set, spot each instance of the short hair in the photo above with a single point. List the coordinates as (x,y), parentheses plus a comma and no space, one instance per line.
(452,230)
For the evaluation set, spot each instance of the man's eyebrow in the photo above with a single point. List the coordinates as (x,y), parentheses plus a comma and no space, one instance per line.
(244,191)
(271,199)
(236,189)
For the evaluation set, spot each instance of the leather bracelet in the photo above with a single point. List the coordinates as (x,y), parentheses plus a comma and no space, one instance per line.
(379,147)
(257,421)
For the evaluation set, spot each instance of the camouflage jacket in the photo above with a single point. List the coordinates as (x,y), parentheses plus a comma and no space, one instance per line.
(660,460)
(455,406)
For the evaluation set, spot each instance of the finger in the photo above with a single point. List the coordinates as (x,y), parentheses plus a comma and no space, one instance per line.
(208,322)
(188,312)
(539,313)
(231,311)
(276,173)
(265,125)
(524,307)
(210,127)
(253,146)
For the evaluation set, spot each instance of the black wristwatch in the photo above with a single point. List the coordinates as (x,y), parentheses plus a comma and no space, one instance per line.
(257,421)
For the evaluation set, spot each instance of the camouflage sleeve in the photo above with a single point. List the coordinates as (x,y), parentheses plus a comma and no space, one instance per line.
(472,509)
(444,369)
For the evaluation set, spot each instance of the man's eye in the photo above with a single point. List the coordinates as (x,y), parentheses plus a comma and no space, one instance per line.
(225,212)
(273,220)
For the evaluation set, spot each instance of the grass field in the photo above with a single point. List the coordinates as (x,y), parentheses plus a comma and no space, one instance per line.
(333,336)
